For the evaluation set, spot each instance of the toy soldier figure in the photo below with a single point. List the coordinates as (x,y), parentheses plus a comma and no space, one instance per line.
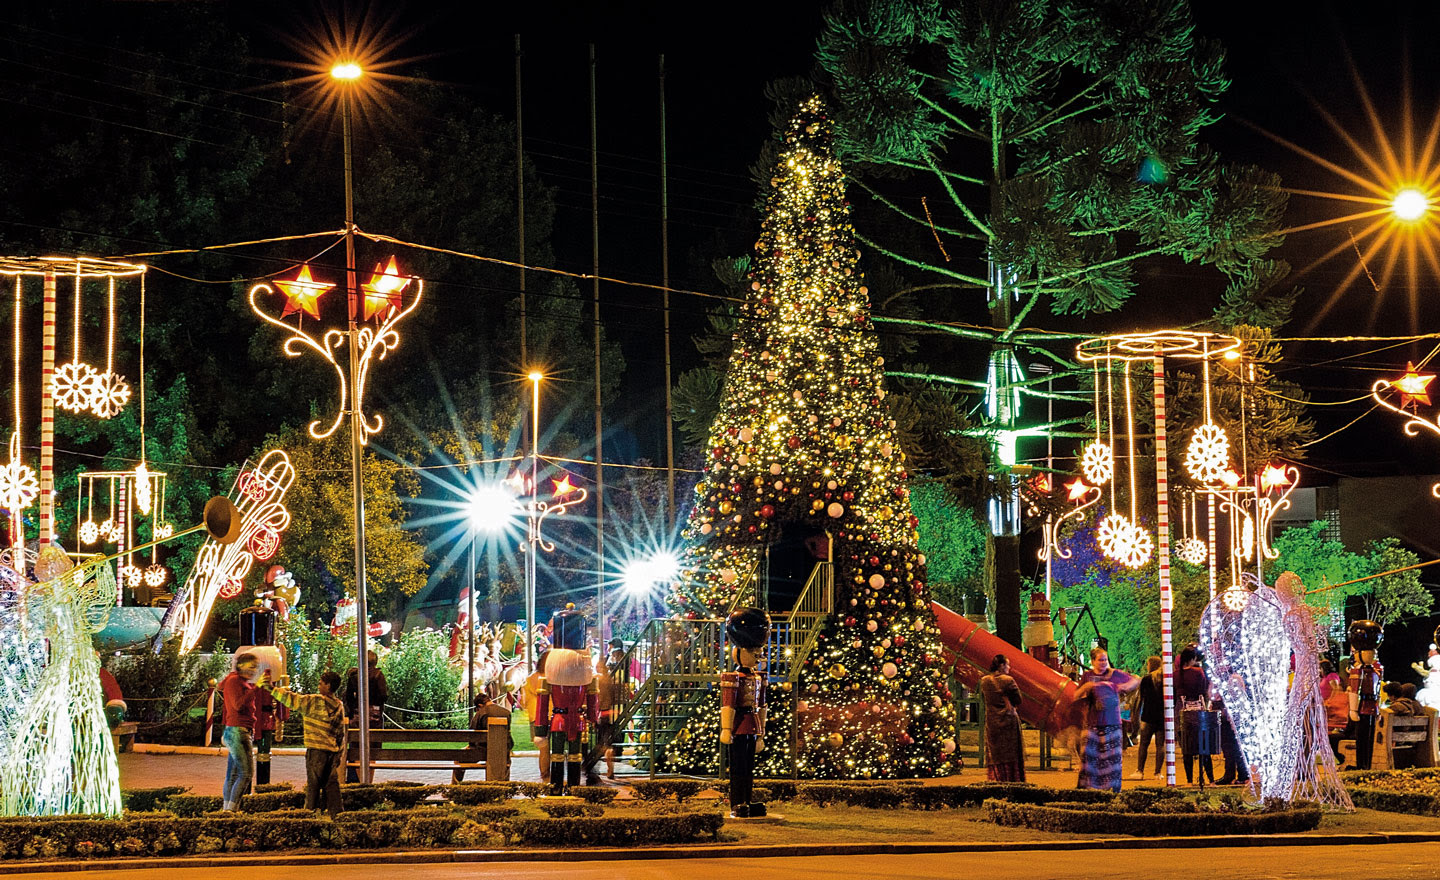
(1366,673)
(567,701)
(742,706)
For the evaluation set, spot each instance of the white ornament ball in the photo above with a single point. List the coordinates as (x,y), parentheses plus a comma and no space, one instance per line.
(779,484)
(889,670)
(802,705)
(831,485)
(814,418)
(775,469)
(746,435)
(947,747)
(743,459)
(706,528)
(835,509)
(918,626)
(871,626)
(877,580)
(835,422)
(727,575)
(922,558)
(885,644)
(798,395)
(854,602)
(886,450)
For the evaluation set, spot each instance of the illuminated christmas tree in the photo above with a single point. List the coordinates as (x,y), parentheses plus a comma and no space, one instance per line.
(803,443)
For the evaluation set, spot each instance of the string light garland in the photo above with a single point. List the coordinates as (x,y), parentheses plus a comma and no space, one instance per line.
(110,391)
(803,439)
(75,383)
(383,297)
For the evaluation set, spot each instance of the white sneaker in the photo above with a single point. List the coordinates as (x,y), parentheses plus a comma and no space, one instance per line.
(1136,775)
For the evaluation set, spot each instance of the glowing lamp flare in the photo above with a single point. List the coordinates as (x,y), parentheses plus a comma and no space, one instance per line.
(347,71)
(1414,386)
(1410,204)
(302,293)
(383,290)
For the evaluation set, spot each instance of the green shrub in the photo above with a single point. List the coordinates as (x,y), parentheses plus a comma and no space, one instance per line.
(531,790)
(437,830)
(468,793)
(1077,819)
(272,787)
(146,799)
(487,814)
(614,830)
(886,796)
(272,801)
(562,810)
(161,686)
(191,805)
(419,674)
(662,789)
(402,795)
(594,794)
(1414,803)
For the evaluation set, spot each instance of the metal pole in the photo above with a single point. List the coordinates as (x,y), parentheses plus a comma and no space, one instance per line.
(599,436)
(665,308)
(357,476)
(520,198)
(532,526)
(470,631)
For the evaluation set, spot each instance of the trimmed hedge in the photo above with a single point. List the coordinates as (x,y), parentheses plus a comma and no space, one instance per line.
(634,830)
(142,800)
(1414,803)
(664,789)
(1093,819)
(402,795)
(469,793)
(563,810)
(594,794)
(192,805)
(271,801)
(898,795)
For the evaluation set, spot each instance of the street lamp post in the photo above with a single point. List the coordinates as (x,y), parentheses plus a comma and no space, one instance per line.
(532,524)
(347,74)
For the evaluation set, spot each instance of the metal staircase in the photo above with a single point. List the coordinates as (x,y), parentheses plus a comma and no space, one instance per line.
(676,662)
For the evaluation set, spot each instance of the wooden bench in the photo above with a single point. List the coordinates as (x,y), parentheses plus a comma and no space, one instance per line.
(123,735)
(460,751)
(1411,736)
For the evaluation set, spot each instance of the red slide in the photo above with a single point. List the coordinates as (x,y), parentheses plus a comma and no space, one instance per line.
(1048,698)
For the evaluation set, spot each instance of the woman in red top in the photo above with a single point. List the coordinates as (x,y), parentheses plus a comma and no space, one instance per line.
(1337,705)
(238,695)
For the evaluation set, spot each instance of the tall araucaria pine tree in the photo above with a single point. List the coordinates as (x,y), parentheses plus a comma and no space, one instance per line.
(803,444)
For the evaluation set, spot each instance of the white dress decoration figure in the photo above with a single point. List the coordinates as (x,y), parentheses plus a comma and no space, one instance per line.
(1429,695)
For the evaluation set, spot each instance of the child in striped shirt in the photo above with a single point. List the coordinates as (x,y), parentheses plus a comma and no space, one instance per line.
(325,735)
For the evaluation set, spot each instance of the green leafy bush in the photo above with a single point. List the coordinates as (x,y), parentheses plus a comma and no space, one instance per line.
(141,800)
(189,805)
(161,687)
(594,794)
(1174,820)
(562,810)
(478,792)
(419,675)
(637,830)
(272,801)
(663,789)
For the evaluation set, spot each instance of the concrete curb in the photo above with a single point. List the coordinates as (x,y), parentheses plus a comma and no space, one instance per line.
(732,851)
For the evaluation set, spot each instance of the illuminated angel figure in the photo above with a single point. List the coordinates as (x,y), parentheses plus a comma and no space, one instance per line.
(60,759)
(1304,733)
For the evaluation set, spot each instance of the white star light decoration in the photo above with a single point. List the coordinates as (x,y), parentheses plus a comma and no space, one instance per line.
(1125,542)
(1097,463)
(1208,455)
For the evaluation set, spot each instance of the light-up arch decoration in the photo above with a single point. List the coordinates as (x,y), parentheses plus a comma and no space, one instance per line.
(220,569)
(1125,349)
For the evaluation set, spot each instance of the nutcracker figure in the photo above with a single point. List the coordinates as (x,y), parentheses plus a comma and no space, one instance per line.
(1366,674)
(568,700)
(742,706)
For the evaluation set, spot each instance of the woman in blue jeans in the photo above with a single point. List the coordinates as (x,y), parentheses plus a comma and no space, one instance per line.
(238,696)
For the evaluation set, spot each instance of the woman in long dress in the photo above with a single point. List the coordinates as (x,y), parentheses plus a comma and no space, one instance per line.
(1102,754)
(1004,749)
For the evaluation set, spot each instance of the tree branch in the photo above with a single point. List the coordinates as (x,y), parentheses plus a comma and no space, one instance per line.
(967,127)
(911,217)
(1115,262)
(916,288)
(955,197)
(1043,121)
(964,332)
(936,377)
(918,264)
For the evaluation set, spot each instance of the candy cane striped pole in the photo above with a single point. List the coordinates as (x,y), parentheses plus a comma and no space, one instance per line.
(1162,551)
(47,415)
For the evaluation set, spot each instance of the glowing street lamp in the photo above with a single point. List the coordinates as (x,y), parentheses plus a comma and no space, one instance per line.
(490,509)
(641,575)
(1410,204)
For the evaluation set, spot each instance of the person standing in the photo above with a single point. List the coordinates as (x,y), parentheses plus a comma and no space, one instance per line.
(1337,707)
(269,727)
(607,688)
(1102,755)
(1004,747)
(325,736)
(530,701)
(238,717)
(1192,690)
(378,694)
(1151,710)
(1236,772)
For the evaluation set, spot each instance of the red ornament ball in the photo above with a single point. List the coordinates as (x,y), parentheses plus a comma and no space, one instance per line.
(793,442)
(767,510)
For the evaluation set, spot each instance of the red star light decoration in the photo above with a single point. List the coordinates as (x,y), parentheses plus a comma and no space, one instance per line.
(563,486)
(1414,386)
(1075,490)
(382,291)
(1273,477)
(302,293)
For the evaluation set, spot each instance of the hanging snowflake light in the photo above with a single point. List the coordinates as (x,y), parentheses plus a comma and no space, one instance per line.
(1192,550)
(1097,463)
(164,530)
(89,532)
(155,575)
(131,575)
(1208,455)
(18,484)
(1125,542)
(1235,598)
(74,387)
(112,392)
(108,530)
